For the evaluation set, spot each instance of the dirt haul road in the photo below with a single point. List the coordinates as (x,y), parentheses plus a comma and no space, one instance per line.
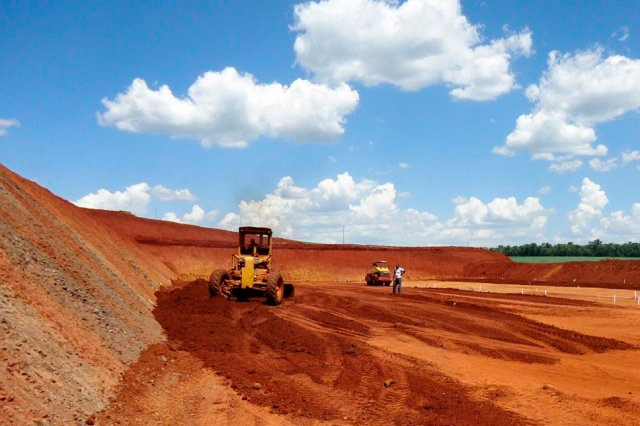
(453,358)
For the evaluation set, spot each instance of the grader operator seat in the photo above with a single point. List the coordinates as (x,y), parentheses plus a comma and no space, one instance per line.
(251,248)
(254,241)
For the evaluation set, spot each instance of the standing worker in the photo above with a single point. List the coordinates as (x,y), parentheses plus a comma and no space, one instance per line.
(397,279)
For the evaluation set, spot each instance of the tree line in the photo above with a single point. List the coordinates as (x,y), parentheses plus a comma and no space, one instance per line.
(594,248)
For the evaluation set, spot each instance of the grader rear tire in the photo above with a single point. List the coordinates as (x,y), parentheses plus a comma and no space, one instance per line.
(275,288)
(216,281)
(289,290)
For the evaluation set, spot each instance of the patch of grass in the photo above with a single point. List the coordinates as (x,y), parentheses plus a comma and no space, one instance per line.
(561,259)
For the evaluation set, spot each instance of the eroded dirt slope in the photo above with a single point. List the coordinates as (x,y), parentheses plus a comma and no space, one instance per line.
(75,306)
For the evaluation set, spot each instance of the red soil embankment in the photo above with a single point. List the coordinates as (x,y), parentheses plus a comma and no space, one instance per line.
(352,263)
(188,249)
(605,274)
(75,306)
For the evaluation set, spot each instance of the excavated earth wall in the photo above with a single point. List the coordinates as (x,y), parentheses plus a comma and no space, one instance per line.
(75,306)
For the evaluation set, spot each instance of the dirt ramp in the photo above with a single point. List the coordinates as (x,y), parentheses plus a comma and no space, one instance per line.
(317,367)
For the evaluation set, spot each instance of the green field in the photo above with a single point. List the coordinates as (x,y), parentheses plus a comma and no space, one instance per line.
(560,259)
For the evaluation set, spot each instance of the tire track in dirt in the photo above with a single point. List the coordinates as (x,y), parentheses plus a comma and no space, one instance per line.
(315,372)
(309,359)
(450,320)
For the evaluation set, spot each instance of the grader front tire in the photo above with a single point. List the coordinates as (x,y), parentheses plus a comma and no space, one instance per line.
(216,281)
(275,289)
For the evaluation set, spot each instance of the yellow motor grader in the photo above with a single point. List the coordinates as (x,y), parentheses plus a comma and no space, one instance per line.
(251,273)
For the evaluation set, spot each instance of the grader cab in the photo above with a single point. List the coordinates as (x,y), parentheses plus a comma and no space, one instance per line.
(251,272)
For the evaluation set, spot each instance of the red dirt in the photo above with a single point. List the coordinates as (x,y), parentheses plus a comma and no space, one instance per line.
(603,274)
(313,368)
(312,357)
(78,291)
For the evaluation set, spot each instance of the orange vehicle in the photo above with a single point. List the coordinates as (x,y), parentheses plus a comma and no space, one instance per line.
(379,274)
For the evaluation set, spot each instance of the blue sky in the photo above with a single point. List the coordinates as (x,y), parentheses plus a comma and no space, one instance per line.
(416,122)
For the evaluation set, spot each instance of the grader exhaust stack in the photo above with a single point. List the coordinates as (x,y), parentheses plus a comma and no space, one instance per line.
(251,273)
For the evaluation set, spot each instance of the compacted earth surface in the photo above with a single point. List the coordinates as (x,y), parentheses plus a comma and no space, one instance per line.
(349,354)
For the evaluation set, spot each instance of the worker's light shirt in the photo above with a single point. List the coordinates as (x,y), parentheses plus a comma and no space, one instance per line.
(399,273)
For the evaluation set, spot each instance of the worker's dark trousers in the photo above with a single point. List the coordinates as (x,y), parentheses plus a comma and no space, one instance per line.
(397,285)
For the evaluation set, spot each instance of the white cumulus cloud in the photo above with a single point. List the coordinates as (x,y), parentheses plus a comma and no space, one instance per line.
(629,156)
(411,44)
(593,200)
(230,109)
(473,212)
(6,123)
(195,216)
(565,166)
(369,213)
(619,226)
(171,217)
(603,165)
(165,194)
(577,92)
(134,198)
(548,132)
